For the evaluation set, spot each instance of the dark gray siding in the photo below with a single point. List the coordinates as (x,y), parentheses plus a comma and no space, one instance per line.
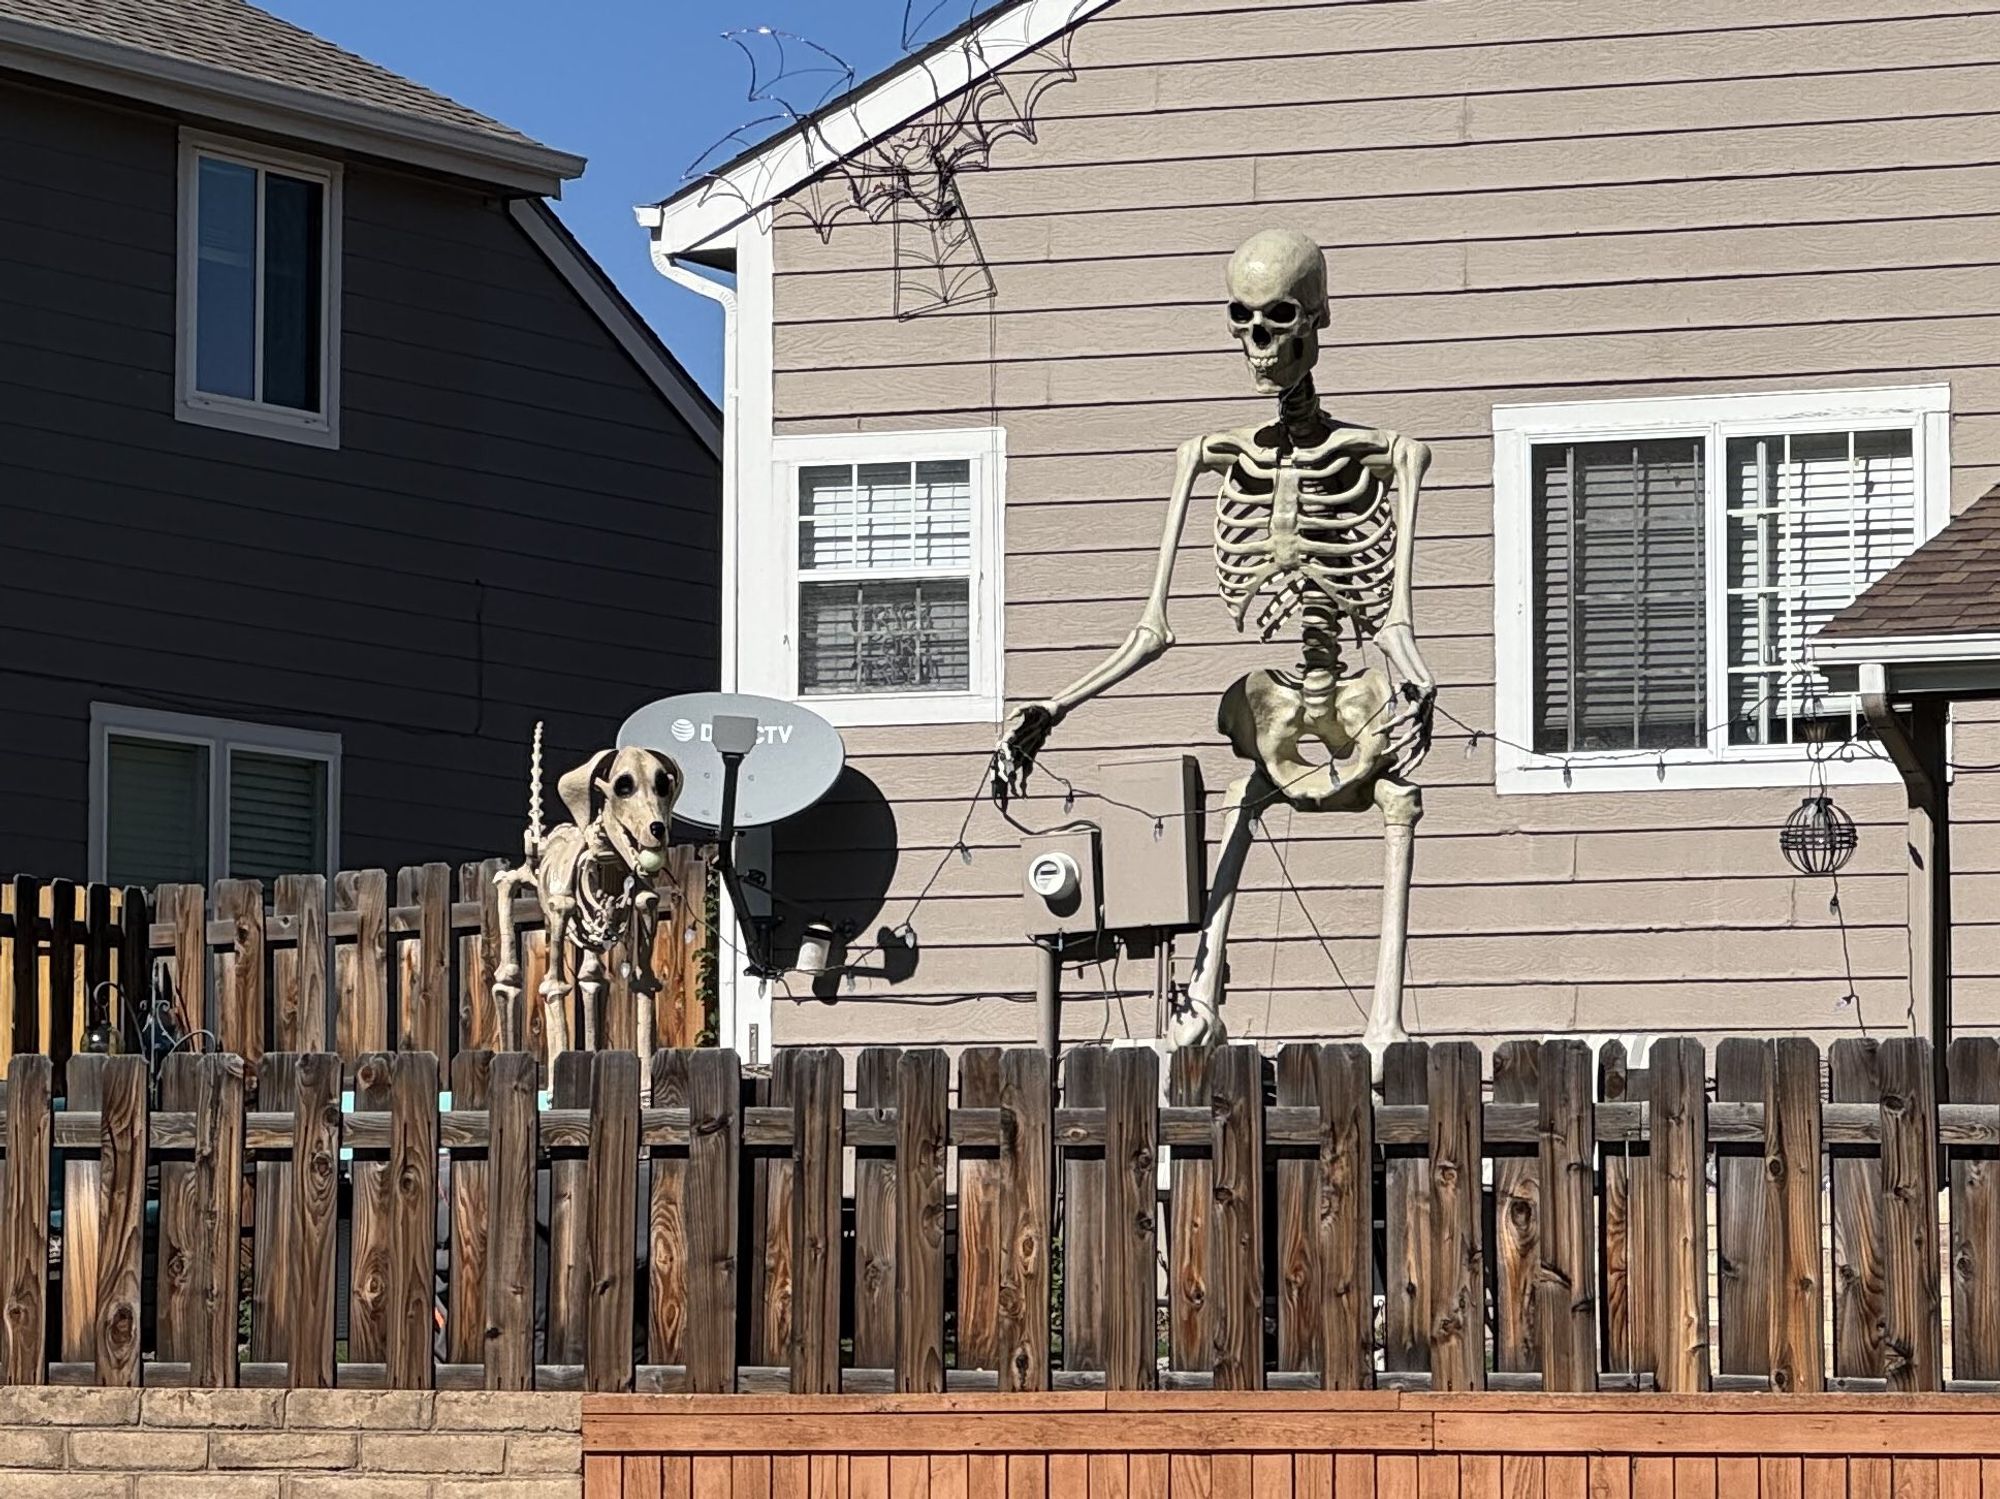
(516,525)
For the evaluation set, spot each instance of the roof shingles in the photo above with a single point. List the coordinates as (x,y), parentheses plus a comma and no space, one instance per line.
(240,38)
(1948,586)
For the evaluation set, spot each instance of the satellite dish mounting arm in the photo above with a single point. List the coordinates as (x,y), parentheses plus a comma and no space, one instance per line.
(734,737)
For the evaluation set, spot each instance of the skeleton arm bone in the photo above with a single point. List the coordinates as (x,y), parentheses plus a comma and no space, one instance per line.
(1404,462)
(1146,643)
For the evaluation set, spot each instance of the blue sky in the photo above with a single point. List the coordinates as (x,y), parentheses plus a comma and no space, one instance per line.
(640,89)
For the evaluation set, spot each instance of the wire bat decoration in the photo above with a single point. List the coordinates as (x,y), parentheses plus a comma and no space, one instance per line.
(909,177)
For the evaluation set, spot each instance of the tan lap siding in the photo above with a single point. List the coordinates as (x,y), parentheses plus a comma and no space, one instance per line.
(1521,202)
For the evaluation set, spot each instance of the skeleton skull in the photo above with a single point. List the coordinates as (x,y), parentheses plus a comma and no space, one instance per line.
(1277,306)
(631,793)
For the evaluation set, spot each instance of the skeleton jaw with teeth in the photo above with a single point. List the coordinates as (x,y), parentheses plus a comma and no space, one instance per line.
(1277,306)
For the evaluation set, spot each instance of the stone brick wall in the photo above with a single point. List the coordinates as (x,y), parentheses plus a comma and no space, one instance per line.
(297,1444)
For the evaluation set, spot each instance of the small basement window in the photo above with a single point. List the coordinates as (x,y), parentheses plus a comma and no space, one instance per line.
(259,327)
(895,598)
(1661,566)
(180,799)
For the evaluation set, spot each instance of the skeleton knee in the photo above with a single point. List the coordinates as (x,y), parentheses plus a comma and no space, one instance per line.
(1402,805)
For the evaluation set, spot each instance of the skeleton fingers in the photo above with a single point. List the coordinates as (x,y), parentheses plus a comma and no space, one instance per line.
(1317,518)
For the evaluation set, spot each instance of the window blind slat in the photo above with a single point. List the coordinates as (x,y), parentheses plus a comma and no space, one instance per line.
(277,815)
(156,812)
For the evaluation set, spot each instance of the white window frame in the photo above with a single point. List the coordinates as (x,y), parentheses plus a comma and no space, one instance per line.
(231,413)
(222,737)
(985,449)
(1925,410)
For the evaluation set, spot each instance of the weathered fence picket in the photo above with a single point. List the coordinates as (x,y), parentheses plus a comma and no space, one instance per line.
(1501,1276)
(307,965)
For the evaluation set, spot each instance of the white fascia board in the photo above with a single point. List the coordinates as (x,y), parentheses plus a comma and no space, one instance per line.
(704,211)
(1890,650)
(1626,414)
(537,220)
(293,113)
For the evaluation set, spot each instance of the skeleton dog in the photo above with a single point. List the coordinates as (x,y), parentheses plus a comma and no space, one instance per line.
(1316,518)
(598,882)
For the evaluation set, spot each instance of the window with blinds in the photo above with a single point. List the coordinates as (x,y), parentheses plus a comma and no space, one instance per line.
(277,815)
(189,800)
(1621,619)
(1814,518)
(885,577)
(156,825)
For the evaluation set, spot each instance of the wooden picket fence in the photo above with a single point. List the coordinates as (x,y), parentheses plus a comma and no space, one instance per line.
(1271,1225)
(310,965)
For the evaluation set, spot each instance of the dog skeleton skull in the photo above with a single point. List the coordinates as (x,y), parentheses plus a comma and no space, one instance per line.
(1320,516)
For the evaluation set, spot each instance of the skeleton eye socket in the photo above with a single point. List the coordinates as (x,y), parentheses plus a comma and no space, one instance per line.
(624,785)
(1284,314)
(663,784)
(1238,313)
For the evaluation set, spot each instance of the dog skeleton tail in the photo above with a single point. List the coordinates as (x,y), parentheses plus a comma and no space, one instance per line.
(534,838)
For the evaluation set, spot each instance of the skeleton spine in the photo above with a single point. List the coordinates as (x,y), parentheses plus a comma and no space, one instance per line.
(535,789)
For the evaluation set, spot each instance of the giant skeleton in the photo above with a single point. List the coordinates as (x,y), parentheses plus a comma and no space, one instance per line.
(1316,519)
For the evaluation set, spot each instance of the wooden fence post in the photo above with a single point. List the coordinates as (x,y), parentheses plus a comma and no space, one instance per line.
(714,1088)
(471,1209)
(1566,1278)
(1743,1227)
(316,1129)
(818,1099)
(1626,1216)
(298,972)
(510,1235)
(361,966)
(1679,1229)
(24,1313)
(1911,1307)
(921,1104)
(240,1008)
(1190,1200)
(1457,1255)
(613,1231)
(1406,1276)
(82,1236)
(1517,1219)
(61,1037)
(215,1185)
(569,1219)
(978,1218)
(875,1216)
(1083,1168)
(1236,1094)
(121,1221)
(368,1240)
(272,1258)
(1972,1066)
(27,948)
(1027,1175)
(1856,1173)
(129,1008)
(1792,1172)
(412,1219)
(1131,1149)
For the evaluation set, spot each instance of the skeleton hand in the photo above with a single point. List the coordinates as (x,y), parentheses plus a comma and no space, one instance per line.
(1014,759)
(1416,692)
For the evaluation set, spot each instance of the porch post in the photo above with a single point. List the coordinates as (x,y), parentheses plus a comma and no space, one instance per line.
(1915,741)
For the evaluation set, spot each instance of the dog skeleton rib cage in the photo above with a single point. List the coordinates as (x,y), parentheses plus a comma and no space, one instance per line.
(1315,518)
(598,880)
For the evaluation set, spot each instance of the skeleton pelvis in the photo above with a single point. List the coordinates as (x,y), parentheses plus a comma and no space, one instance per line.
(1268,715)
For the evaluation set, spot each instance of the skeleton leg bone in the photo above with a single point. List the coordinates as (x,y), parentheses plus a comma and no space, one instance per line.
(556,987)
(1402,807)
(507,969)
(1197,1019)
(591,987)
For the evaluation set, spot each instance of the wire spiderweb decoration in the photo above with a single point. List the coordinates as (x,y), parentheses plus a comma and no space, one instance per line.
(910,176)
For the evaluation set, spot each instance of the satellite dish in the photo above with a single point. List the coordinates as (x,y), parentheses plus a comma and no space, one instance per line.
(796,757)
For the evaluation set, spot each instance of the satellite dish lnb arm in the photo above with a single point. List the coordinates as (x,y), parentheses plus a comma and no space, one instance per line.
(734,737)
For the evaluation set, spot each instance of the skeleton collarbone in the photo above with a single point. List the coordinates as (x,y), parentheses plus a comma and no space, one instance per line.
(1315,526)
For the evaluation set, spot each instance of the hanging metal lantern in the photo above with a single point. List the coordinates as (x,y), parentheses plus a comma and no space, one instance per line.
(1818,838)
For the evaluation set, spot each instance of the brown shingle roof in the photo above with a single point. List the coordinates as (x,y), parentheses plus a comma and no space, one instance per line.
(240,38)
(1948,586)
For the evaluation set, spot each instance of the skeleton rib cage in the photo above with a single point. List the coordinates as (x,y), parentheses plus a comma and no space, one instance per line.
(1316,526)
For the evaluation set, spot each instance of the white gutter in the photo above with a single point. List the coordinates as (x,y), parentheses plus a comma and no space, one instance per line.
(219,94)
(1889,650)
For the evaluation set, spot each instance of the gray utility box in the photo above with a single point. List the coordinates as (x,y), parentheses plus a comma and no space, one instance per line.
(1059,889)
(1154,858)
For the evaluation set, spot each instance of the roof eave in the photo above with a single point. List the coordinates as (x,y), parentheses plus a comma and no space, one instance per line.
(1964,666)
(276,109)
(702,212)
